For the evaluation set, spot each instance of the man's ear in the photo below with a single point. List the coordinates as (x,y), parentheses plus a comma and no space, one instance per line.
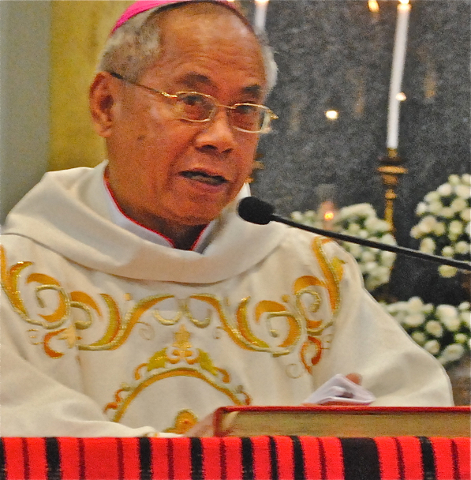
(102,98)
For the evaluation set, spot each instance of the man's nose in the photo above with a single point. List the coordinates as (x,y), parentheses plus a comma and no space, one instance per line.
(218,134)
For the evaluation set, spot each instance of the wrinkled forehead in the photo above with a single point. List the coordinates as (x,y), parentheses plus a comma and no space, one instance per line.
(208,35)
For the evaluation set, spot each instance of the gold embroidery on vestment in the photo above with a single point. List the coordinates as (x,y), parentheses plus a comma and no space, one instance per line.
(180,352)
(184,421)
(299,314)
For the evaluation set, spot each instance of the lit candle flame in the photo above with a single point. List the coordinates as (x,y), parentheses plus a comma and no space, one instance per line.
(328,216)
(332,114)
(373,6)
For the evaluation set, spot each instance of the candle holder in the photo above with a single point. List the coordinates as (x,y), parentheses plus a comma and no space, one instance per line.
(390,169)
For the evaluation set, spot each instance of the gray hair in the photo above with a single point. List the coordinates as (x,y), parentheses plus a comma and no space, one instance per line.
(131,49)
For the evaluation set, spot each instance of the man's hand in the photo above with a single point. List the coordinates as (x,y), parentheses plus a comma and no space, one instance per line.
(353,377)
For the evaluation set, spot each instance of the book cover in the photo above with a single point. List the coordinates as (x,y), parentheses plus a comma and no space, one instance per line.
(336,421)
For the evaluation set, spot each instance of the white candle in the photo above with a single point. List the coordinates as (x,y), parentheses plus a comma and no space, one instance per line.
(260,15)
(399,56)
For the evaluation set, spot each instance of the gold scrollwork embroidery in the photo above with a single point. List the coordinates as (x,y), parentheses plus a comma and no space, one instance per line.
(184,421)
(299,311)
(313,346)
(180,359)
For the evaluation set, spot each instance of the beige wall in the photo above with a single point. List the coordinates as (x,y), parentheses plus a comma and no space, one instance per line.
(24,98)
(78,32)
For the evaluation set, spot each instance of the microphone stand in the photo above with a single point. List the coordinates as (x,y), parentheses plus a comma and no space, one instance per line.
(369,243)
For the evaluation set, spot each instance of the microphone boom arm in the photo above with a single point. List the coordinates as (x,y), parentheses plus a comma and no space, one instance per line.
(369,243)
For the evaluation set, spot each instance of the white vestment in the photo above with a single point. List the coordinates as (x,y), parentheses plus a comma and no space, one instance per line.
(108,334)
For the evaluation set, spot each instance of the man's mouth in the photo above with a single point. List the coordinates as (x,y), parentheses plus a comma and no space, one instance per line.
(204,177)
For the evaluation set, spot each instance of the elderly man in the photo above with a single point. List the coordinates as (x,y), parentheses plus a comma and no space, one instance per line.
(135,299)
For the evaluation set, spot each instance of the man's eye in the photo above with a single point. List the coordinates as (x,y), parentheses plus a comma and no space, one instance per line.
(193,100)
(246,109)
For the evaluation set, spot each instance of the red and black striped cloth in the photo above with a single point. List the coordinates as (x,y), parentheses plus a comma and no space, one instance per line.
(257,458)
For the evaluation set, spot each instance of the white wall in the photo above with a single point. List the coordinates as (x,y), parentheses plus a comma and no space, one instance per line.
(24,97)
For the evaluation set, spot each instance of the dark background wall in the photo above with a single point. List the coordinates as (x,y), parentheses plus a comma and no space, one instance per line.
(338,54)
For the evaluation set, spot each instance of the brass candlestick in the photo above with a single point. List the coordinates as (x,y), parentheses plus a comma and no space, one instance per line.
(391,168)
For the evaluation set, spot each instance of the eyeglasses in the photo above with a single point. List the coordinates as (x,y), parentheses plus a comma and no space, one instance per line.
(199,108)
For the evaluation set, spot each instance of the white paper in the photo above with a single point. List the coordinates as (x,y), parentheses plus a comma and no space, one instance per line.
(340,389)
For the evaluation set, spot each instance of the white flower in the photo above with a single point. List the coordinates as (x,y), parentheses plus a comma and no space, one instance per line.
(353,228)
(368,256)
(465,317)
(453,352)
(448,315)
(439,229)
(463,248)
(414,305)
(461,338)
(419,337)
(388,258)
(421,208)
(428,308)
(297,216)
(427,223)
(447,212)
(374,224)
(448,251)
(447,271)
(360,209)
(466,178)
(458,204)
(464,306)
(467,229)
(442,360)
(414,320)
(434,328)
(427,245)
(381,274)
(416,232)
(354,249)
(455,227)
(454,179)
(435,207)
(445,190)
(446,311)
(432,197)
(388,239)
(432,346)
(463,191)
(465,215)
(361,221)
(370,267)
(452,323)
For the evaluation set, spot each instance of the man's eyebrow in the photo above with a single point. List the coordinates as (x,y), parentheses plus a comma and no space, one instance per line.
(255,90)
(193,80)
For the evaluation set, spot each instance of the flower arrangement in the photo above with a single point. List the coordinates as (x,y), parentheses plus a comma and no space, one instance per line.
(442,330)
(444,227)
(361,221)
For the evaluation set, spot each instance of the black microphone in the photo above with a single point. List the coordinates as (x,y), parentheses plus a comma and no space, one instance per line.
(257,211)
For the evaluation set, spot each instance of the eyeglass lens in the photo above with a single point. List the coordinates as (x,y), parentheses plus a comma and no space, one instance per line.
(194,107)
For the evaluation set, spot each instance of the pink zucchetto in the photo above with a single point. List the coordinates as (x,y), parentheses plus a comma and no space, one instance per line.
(144,5)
